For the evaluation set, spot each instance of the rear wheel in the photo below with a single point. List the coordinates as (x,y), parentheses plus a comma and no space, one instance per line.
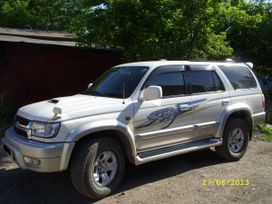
(97,167)
(235,140)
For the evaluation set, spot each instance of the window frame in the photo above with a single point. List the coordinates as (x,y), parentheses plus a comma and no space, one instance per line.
(232,67)
(166,69)
(184,70)
(224,87)
(211,70)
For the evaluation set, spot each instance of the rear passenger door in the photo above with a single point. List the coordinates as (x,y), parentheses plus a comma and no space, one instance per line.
(210,98)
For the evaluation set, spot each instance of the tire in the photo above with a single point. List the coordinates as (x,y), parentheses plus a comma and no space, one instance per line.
(230,150)
(87,167)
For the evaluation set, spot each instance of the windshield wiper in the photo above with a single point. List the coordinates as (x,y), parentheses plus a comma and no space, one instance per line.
(113,95)
(92,93)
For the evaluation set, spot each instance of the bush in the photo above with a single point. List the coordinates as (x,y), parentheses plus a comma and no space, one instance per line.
(7,112)
(268,105)
(269,117)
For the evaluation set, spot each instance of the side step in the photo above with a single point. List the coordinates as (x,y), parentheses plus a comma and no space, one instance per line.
(165,152)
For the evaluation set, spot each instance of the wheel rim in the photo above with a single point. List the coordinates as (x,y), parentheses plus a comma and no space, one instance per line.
(105,168)
(236,140)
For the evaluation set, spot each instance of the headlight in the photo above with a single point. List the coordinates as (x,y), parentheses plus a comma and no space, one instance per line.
(41,129)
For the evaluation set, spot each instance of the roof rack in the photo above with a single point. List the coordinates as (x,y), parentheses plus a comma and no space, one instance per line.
(229,60)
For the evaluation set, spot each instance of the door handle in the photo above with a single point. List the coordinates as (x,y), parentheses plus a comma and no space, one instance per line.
(225,102)
(184,107)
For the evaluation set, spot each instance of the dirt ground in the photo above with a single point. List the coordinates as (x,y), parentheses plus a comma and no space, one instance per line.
(174,180)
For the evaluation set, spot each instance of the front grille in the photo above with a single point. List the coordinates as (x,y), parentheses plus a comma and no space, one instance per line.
(22,121)
(20,132)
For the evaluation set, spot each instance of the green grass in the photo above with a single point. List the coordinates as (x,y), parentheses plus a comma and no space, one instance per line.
(267,131)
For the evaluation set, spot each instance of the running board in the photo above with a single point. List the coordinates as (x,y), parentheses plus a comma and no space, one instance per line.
(152,155)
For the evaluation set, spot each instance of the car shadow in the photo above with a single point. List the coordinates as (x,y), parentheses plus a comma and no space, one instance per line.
(20,186)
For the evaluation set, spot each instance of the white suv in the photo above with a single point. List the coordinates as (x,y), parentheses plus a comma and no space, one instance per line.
(138,112)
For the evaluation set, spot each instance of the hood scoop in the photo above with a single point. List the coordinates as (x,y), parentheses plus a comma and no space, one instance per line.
(55,101)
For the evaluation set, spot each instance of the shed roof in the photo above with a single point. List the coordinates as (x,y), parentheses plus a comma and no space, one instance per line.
(37,37)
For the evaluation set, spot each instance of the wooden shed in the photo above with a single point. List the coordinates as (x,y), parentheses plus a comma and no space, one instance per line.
(37,65)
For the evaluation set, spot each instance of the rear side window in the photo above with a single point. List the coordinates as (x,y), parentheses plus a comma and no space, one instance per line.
(201,81)
(172,82)
(239,76)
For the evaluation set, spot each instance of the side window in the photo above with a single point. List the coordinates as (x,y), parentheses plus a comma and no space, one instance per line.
(218,83)
(201,81)
(172,82)
(239,76)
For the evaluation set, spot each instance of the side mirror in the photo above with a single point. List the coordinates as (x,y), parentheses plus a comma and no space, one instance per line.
(89,85)
(152,93)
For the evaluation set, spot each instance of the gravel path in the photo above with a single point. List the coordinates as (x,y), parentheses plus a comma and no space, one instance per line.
(173,180)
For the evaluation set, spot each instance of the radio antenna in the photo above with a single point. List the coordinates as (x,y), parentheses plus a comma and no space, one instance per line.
(124,86)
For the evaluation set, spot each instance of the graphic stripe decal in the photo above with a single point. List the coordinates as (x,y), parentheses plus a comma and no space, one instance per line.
(167,115)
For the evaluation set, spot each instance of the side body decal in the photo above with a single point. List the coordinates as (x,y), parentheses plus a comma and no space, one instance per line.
(167,115)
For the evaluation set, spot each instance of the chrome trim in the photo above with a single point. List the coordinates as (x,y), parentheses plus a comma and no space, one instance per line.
(25,128)
(20,126)
(186,128)
(158,133)
(206,125)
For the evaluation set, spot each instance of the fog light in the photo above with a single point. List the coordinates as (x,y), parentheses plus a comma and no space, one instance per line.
(32,161)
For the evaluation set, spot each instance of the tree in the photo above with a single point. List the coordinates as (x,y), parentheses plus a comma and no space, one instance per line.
(156,29)
(14,13)
(59,15)
(249,31)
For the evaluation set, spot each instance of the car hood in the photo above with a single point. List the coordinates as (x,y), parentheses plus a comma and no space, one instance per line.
(71,106)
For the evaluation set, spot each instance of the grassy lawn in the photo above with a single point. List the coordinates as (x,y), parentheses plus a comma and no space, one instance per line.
(266,130)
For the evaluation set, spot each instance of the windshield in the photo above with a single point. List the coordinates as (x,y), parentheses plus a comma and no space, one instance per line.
(117,82)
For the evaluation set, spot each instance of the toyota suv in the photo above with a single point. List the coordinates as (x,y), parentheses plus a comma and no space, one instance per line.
(138,113)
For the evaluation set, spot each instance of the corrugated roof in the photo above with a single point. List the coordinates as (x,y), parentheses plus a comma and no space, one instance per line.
(37,37)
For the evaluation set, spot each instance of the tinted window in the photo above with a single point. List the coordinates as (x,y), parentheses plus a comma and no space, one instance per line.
(218,83)
(172,83)
(117,81)
(201,81)
(239,76)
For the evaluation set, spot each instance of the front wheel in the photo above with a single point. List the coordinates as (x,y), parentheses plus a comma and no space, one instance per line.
(97,167)
(235,140)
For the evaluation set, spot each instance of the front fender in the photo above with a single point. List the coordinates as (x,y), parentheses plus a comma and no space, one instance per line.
(104,125)
(227,113)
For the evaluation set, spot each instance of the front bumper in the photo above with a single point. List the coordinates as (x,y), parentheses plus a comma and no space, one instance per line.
(52,157)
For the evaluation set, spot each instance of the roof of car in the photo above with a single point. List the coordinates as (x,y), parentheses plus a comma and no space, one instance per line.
(154,64)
